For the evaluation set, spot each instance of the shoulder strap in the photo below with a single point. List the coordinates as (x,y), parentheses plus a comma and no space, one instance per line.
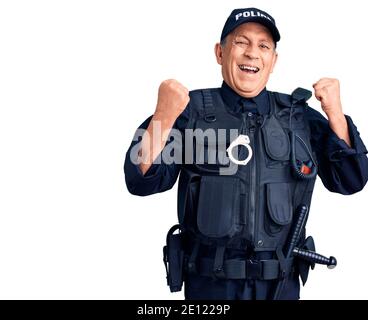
(272,101)
(208,107)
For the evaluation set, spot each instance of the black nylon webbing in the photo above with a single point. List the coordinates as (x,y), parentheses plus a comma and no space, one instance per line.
(237,269)
(208,107)
(192,263)
(218,263)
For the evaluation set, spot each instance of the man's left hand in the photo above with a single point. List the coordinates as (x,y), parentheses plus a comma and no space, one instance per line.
(327,91)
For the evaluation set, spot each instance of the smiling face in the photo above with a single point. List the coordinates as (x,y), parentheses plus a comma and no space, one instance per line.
(247,58)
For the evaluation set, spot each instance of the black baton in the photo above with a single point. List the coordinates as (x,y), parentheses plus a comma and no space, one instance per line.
(314,257)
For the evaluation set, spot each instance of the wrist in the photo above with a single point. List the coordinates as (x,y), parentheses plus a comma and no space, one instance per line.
(164,118)
(336,117)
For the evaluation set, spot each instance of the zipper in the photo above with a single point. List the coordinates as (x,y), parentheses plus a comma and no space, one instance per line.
(244,130)
(252,176)
(249,128)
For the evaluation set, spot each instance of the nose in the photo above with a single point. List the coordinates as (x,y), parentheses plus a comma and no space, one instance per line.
(251,53)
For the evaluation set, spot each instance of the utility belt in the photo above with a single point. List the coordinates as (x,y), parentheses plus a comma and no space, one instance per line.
(181,258)
(179,261)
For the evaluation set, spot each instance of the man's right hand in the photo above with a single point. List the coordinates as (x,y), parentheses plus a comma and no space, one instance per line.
(173,97)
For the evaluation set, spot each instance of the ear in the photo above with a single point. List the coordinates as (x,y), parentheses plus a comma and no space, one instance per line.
(218,53)
(274,61)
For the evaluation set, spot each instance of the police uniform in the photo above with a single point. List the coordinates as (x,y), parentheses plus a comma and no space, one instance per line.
(234,226)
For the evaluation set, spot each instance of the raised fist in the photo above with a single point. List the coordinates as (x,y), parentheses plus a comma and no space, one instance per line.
(173,97)
(327,91)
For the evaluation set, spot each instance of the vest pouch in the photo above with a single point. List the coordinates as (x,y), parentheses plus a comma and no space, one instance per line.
(174,258)
(279,207)
(218,212)
(276,142)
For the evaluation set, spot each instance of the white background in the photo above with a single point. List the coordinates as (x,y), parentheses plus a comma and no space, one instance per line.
(78,77)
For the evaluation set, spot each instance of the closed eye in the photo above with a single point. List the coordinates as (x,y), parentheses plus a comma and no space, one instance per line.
(244,43)
(264,46)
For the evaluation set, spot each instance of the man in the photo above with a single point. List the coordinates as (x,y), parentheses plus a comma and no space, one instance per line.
(236,204)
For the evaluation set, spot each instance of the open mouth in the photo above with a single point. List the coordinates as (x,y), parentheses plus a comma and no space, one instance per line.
(248,69)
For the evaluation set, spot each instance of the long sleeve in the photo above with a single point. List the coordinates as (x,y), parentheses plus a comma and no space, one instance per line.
(342,169)
(160,176)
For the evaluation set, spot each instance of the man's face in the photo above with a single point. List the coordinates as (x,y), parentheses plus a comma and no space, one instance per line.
(247,58)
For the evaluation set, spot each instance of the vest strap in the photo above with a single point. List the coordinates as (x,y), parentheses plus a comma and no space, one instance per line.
(272,100)
(192,264)
(218,263)
(208,107)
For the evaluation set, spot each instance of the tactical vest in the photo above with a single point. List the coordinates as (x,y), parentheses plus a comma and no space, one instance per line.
(254,204)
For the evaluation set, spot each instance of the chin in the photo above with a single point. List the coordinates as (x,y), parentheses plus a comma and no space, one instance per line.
(246,89)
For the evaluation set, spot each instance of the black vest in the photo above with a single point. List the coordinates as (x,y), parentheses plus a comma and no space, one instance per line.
(221,203)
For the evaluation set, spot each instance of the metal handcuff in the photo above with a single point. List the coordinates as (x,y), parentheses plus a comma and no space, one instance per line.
(241,140)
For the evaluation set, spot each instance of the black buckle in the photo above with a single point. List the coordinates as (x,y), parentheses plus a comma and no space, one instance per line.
(254,269)
(210,118)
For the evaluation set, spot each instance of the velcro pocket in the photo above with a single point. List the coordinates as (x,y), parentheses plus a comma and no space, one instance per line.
(219,206)
(276,140)
(279,206)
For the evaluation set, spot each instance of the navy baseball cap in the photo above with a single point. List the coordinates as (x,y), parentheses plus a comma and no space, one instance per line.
(240,16)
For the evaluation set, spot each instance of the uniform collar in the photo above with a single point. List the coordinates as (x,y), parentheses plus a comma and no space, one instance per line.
(258,104)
